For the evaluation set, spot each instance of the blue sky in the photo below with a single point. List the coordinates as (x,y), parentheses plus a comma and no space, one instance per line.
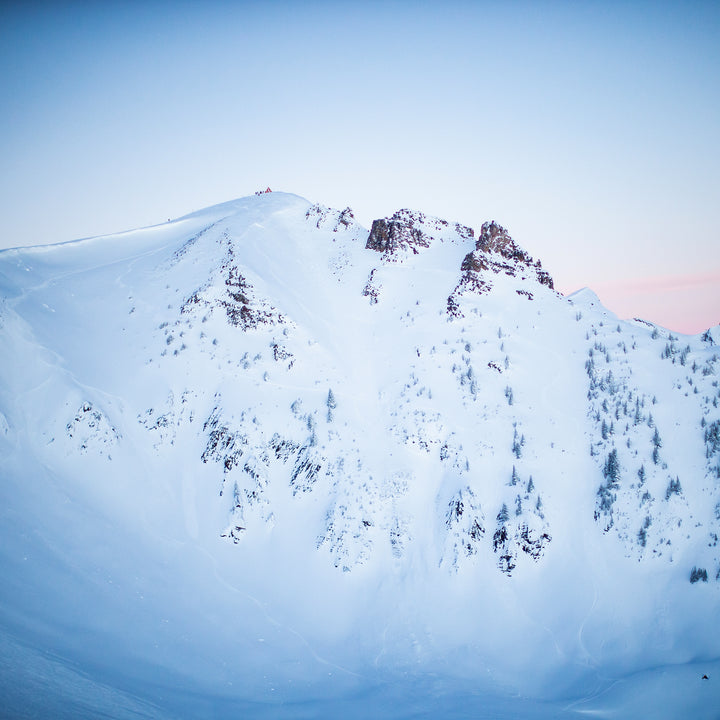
(590,130)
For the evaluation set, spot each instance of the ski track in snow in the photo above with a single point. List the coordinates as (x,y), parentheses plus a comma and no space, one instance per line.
(261,606)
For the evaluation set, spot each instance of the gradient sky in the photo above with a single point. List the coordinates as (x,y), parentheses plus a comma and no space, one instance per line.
(591,130)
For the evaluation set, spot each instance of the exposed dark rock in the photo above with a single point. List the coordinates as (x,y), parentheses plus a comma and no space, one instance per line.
(465,232)
(346,218)
(91,428)
(409,232)
(397,233)
(282,447)
(500,538)
(495,252)
(506,563)
(533,543)
(455,511)
(234,533)
(324,216)
(495,240)
(306,471)
(239,305)
(281,354)
(371,289)
(465,523)
(223,446)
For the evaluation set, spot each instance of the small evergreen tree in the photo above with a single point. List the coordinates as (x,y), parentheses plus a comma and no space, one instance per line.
(611,470)
(637,417)
(331,405)
(657,444)
(516,446)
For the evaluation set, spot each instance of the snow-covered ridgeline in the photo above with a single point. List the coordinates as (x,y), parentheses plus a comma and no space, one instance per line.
(401,413)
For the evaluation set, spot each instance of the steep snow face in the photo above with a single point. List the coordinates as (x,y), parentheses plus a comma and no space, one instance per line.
(260,446)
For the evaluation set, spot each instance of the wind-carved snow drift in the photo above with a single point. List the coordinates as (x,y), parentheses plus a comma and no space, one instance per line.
(414,400)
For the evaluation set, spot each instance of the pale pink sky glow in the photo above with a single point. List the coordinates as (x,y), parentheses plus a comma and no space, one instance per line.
(684,303)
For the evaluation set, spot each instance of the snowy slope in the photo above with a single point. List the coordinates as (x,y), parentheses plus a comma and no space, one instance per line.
(263,458)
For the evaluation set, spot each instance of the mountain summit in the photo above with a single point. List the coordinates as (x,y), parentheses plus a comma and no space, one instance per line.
(260,455)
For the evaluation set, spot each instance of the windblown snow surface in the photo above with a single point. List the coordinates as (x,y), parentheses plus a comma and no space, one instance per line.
(260,462)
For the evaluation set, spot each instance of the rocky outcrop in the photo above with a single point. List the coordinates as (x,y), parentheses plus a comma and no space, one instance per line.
(229,289)
(372,289)
(495,239)
(465,526)
(390,236)
(495,252)
(239,304)
(528,533)
(91,430)
(407,232)
(337,220)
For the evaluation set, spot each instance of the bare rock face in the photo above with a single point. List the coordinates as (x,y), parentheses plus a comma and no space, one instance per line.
(495,252)
(240,306)
(408,232)
(91,430)
(372,289)
(465,524)
(228,288)
(337,220)
(398,233)
(495,240)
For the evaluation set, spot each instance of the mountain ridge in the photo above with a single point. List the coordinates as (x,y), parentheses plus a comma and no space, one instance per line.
(378,416)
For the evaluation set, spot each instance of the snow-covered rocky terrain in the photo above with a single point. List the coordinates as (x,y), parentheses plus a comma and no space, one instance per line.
(262,462)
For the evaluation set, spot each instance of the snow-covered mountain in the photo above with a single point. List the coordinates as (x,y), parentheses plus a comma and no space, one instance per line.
(263,460)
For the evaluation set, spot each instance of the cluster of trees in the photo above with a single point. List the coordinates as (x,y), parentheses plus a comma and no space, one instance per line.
(606,492)
(657,444)
(673,488)
(518,443)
